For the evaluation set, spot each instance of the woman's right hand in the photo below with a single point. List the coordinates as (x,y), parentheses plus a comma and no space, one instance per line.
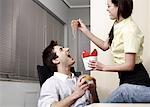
(82,26)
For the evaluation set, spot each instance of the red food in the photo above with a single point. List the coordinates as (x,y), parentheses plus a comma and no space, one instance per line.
(87,54)
(94,53)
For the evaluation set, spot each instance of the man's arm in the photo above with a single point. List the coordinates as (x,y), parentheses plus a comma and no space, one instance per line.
(67,102)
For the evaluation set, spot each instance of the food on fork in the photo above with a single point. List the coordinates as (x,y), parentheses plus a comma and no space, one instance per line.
(75,24)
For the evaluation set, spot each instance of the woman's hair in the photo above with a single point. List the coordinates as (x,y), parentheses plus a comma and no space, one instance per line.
(49,55)
(111,35)
(125,8)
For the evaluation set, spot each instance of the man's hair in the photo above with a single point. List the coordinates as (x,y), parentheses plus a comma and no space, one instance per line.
(49,55)
(125,7)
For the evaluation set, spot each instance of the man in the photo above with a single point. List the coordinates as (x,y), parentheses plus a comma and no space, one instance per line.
(63,89)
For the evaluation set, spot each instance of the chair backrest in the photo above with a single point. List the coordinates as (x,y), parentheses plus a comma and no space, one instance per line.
(44,73)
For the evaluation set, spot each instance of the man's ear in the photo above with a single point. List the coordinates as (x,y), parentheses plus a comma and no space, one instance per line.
(55,61)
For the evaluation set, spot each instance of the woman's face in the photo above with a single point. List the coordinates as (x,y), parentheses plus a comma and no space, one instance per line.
(112,9)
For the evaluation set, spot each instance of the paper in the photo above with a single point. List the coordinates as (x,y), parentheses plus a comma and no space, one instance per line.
(87,57)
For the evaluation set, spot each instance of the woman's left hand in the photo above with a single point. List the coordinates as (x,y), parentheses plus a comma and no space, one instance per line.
(96,65)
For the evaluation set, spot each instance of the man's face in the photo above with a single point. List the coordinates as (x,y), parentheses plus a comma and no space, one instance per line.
(64,56)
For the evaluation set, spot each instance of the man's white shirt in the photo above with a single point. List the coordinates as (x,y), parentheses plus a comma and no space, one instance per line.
(58,87)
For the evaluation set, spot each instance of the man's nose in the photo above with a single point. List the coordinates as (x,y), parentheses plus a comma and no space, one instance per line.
(67,49)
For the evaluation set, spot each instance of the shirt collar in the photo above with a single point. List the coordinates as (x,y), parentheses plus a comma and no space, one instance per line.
(123,22)
(63,76)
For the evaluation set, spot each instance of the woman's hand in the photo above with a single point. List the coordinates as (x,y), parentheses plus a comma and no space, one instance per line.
(96,65)
(82,26)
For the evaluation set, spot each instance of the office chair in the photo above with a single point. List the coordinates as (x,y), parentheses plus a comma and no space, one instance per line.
(44,73)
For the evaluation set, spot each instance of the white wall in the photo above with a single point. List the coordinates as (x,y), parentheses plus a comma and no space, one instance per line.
(19,94)
(101,24)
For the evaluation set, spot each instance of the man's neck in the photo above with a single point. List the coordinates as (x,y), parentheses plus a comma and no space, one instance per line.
(64,70)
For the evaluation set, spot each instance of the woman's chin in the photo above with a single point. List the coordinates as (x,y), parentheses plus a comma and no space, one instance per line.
(112,18)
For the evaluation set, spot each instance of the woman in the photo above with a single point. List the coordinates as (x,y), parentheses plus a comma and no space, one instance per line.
(126,43)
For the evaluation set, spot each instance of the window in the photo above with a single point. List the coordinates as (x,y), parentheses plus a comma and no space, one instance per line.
(25,30)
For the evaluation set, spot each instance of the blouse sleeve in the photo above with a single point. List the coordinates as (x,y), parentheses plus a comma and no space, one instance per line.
(133,40)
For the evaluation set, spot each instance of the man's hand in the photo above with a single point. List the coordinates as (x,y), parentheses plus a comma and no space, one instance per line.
(92,88)
(80,88)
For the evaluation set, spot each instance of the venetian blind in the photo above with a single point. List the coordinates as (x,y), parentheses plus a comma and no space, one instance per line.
(25,30)
(6,36)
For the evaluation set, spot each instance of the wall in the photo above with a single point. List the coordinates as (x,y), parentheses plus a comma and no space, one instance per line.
(18,94)
(101,24)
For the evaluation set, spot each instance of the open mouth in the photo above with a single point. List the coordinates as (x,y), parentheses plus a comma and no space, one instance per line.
(69,56)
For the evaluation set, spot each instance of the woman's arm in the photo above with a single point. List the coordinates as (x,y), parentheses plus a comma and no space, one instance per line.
(97,41)
(127,66)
